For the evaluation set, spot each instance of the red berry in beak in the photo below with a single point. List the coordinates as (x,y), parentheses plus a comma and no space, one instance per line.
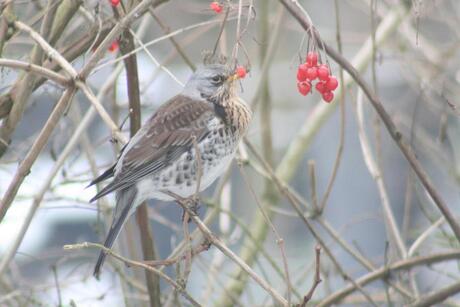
(241,72)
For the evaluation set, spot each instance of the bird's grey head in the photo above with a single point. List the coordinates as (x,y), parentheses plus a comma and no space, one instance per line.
(214,82)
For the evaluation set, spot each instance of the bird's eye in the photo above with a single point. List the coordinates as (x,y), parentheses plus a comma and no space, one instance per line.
(219,79)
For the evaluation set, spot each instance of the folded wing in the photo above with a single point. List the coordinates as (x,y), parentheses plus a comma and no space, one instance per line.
(163,138)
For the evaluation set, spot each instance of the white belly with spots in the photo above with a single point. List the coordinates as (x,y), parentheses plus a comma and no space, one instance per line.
(151,189)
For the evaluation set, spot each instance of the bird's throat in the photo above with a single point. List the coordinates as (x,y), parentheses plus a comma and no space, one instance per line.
(236,114)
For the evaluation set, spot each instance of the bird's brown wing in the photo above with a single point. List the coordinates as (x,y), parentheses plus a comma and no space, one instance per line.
(163,138)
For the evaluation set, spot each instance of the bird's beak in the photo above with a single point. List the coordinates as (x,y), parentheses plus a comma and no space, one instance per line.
(233,78)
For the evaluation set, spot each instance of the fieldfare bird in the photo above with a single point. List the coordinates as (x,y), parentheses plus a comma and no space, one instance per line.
(161,156)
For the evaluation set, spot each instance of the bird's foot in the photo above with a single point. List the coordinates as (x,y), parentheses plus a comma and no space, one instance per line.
(190,204)
(194,204)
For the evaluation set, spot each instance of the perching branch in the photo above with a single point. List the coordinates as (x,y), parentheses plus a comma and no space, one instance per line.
(214,240)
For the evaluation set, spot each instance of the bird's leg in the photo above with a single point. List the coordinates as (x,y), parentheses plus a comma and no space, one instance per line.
(185,216)
(192,203)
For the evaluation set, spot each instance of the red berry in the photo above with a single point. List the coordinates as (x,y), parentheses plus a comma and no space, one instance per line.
(320,87)
(302,72)
(301,76)
(241,72)
(332,83)
(115,2)
(328,96)
(312,73)
(323,72)
(312,58)
(114,46)
(304,87)
(216,7)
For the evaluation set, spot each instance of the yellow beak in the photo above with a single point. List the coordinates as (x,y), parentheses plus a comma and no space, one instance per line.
(233,78)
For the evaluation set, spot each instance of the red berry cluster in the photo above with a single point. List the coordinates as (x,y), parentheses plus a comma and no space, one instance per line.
(115,2)
(310,71)
(216,7)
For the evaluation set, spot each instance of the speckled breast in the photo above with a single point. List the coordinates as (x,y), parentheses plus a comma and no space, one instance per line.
(217,150)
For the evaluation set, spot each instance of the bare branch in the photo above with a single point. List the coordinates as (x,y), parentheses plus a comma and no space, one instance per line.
(316,278)
(37,69)
(129,262)
(35,150)
(225,250)
(391,268)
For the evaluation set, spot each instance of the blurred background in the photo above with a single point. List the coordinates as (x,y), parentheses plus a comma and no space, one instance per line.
(353,184)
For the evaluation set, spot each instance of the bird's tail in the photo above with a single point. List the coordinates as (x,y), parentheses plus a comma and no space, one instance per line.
(125,199)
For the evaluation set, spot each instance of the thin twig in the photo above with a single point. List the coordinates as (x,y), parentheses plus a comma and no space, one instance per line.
(419,241)
(313,190)
(225,250)
(22,90)
(50,51)
(199,166)
(438,296)
(176,45)
(279,239)
(129,262)
(116,134)
(238,32)
(189,251)
(156,41)
(37,69)
(338,157)
(286,190)
(376,173)
(25,166)
(382,272)
(120,26)
(295,204)
(204,246)
(221,31)
(316,278)
(73,141)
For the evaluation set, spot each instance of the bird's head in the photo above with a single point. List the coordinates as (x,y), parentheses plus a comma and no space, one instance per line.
(214,82)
